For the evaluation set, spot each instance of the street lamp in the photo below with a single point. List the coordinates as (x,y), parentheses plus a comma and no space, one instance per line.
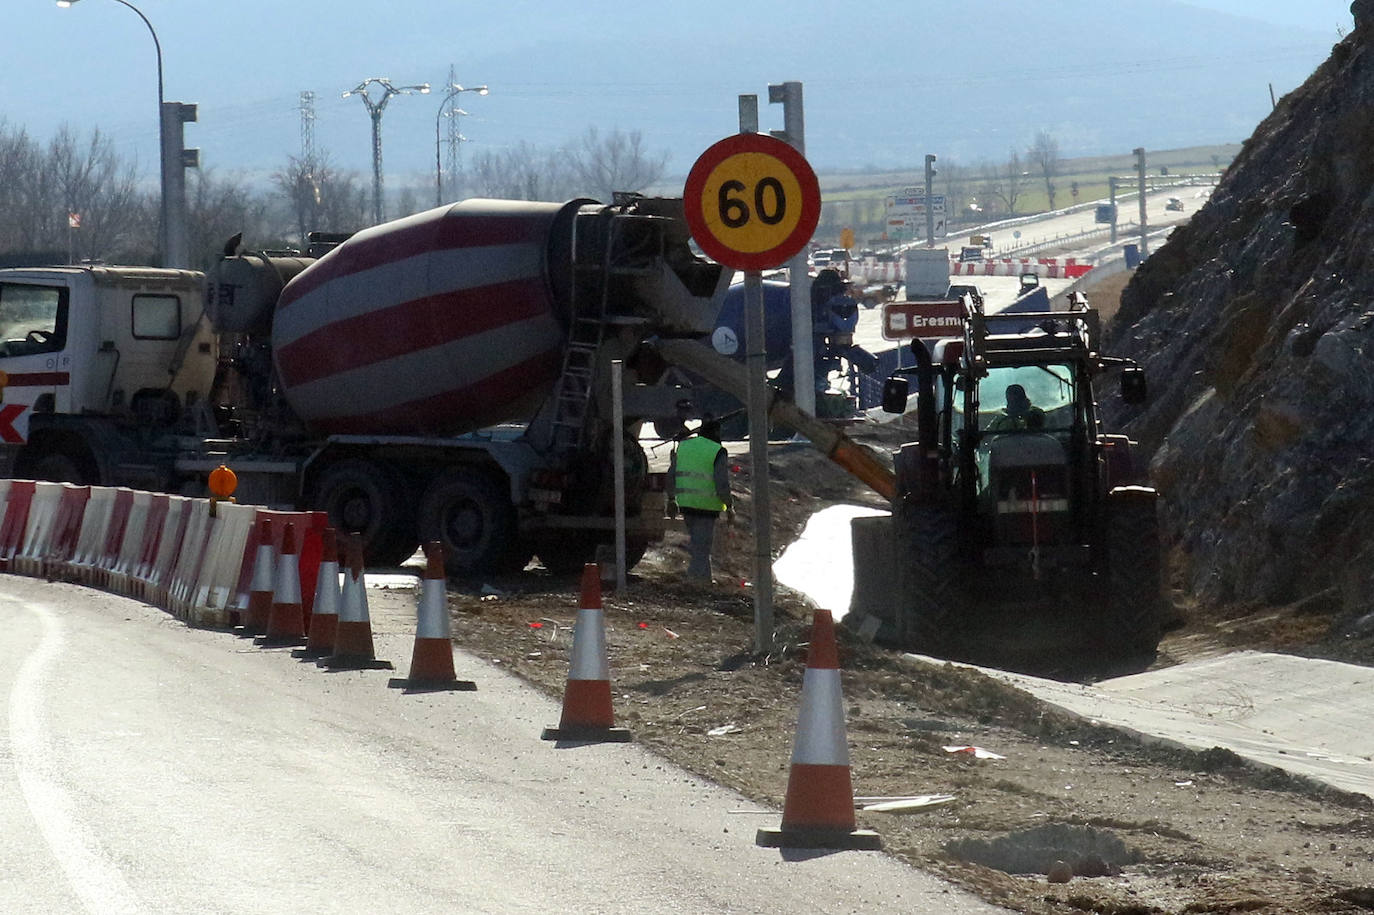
(375,110)
(455,112)
(163,240)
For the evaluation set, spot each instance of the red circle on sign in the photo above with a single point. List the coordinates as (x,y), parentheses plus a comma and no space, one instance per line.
(726,172)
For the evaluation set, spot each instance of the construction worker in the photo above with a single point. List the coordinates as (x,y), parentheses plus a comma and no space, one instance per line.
(699,485)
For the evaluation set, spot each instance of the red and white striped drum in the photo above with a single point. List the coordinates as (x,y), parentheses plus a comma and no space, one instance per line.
(436,324)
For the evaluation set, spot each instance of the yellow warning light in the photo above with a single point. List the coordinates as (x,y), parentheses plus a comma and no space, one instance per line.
(223,482)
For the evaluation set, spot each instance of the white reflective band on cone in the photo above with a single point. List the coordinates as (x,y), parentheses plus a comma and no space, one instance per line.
(286,587)
(820,725)
(433,622)
(327,588)
(589,648)
(262,569)
(353,605)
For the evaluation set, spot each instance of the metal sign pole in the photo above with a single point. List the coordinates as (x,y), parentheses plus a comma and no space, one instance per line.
(756,361)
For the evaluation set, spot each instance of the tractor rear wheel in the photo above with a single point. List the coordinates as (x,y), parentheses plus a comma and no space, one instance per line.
(931,593)
(1132,623)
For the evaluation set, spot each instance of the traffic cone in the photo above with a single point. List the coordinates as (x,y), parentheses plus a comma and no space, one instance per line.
(587,714)
(260,590)
(324,618)
(431,665)
(286,620)
(353,648)
(819,809)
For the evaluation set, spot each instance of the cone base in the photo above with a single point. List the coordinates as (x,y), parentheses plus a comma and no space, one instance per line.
(586,734)
(431,686)
(279,641)
(802,837)
(354,662)
(312,654)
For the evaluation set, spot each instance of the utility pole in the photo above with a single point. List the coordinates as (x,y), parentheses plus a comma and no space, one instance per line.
(375,109)
(307,108)
(175,160)
(1111,185)
(930,202)
(1144,228)
(789,95)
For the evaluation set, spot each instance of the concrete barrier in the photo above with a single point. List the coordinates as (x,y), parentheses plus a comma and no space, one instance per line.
(18,496)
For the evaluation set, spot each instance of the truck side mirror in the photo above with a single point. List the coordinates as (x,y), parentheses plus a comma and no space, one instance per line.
(895,392)
(1133,389)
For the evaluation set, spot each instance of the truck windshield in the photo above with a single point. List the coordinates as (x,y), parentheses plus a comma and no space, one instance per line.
(33,319)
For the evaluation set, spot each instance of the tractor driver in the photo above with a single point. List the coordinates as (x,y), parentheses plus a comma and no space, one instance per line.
(1019,414)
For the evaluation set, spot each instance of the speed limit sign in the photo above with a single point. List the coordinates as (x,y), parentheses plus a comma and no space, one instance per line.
(752,201)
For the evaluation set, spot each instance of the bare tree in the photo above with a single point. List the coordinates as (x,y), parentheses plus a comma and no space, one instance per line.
(957,192)
(321,197)
(617,161)
(523,172)
(1044,155)
(89,183)
(219,208)
(1006,182)
(19,169)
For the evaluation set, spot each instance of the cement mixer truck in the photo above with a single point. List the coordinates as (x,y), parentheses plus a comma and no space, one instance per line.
(445,376)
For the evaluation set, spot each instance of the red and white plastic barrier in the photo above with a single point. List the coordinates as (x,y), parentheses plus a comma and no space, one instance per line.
(870,270)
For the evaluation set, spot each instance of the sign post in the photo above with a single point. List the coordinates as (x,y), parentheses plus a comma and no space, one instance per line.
(752,201)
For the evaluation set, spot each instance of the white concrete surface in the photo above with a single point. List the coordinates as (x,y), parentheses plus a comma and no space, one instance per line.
(1309,717)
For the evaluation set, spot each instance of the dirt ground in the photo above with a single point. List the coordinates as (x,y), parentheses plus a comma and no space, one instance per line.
(1141,828)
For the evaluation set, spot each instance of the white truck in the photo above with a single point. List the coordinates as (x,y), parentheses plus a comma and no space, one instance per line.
(927,273)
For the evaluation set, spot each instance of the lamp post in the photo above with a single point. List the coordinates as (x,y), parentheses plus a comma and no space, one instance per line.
(163,241)
(455,112)
(375,109)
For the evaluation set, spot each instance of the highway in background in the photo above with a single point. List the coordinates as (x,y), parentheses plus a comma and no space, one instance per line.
(150,767)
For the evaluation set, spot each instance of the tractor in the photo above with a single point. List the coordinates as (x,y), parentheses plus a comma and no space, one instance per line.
(1013,504)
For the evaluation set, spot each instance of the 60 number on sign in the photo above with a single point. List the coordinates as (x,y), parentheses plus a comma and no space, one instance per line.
(752,201)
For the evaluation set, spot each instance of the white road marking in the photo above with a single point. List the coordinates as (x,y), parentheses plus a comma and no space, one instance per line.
(97,882)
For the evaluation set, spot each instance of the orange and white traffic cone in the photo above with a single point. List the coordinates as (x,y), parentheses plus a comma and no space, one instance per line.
(260,589)
(819,809)
(286,620)
(324,618)
(353,649)
(587,714)
(431,664)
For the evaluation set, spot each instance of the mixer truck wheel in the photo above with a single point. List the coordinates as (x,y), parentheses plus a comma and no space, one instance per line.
(57,468)
(368,499)
(471,515)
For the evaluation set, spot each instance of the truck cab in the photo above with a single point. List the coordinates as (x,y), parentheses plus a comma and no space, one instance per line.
(90,354)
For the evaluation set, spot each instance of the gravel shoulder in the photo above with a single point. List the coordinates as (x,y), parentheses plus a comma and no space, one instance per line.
(1141,828)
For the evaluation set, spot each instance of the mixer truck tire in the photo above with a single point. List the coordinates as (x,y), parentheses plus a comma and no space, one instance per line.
(471,515)
(57,468)
(369,499)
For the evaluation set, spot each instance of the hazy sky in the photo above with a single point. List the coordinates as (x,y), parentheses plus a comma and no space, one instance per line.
(672,71)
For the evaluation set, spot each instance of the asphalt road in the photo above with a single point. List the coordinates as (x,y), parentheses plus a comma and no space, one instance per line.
(149,767)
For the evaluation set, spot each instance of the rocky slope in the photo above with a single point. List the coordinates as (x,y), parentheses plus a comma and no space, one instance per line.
(1255,323)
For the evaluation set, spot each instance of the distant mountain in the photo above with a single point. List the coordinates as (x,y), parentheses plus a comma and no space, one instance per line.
(888,80)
